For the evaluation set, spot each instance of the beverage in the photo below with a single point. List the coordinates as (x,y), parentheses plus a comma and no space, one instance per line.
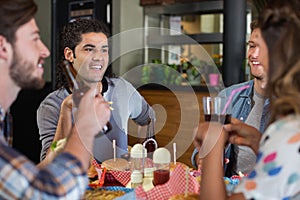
(161,161)
(161,176)
(150,144)
(224,119)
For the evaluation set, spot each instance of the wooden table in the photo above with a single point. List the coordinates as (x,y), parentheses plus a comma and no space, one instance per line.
(177,114)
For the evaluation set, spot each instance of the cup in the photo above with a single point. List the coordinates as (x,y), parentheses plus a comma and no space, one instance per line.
(161,162)
(161,174)
(217,109)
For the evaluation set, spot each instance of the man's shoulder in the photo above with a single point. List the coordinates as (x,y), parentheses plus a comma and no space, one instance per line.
(244,87)
(238,85)
(119,82)
(57,96)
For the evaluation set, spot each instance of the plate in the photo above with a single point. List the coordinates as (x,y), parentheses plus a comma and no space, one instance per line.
(106,193)
(112,188)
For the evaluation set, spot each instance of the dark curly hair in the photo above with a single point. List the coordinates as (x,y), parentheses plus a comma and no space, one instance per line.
(71,37)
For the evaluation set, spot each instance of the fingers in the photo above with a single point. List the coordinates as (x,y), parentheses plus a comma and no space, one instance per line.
(207,137)
(235,121)
(93,112)
(236,126)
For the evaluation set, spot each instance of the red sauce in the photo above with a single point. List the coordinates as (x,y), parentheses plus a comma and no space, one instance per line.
(160,176)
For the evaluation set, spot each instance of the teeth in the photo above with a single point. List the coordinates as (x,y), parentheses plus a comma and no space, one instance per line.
(255,63)
(40,65)
(96,67)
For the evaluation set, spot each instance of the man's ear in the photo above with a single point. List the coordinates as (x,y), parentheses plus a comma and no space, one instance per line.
(3,47)
(69,55)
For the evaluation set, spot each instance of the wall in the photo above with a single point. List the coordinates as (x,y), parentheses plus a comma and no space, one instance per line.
(43,19)
(127,15)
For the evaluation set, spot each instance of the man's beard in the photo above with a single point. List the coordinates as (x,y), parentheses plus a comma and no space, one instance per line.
(21,72)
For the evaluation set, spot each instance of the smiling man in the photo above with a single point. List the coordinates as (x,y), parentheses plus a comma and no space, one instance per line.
(85,45)
(249,105)
(22,55)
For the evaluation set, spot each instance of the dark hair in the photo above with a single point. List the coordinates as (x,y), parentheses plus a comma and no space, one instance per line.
(280,26)
(13,14)
(253,25)
(71,36)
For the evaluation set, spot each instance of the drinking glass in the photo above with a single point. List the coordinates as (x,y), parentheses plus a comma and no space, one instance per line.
(217,109)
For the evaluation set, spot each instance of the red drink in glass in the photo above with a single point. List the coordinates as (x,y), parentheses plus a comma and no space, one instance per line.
(160,176)
(224,119)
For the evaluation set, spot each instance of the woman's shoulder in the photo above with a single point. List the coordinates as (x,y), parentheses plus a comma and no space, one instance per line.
(291,121)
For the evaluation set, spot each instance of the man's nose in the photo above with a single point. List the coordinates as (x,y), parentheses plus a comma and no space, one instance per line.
(44,50)
(98,55)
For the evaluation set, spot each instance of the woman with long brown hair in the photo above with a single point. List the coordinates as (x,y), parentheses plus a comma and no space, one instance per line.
(276,174)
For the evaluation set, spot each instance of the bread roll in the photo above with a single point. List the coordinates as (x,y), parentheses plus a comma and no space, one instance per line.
(119,165)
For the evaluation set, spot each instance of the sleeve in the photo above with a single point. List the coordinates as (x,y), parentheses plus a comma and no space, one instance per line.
(276,174)
(64,178)
(47,120)
(140,110)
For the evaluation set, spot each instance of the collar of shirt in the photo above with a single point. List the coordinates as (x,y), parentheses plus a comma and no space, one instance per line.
(2,114)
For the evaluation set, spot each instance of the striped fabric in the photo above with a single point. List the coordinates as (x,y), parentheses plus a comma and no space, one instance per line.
(64,178)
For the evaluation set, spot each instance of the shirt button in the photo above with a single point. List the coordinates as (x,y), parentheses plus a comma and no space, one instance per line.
(242,118)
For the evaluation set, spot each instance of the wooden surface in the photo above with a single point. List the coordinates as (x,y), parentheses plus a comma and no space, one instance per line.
(177,114)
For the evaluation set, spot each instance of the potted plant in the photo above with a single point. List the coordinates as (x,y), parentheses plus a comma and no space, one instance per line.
(215,71)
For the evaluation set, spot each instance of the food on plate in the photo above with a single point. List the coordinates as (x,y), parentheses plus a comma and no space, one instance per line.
(58,146)
(102,194)
(189,196)
(92,173)
(119,164)
(173,166)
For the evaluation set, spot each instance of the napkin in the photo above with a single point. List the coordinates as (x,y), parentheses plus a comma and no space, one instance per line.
(176,185)
(111,176)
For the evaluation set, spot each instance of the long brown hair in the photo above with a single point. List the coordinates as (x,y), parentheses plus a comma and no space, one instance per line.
(280,26)
(13,14)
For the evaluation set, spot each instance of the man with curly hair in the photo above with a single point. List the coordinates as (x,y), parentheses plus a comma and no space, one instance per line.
(85,46)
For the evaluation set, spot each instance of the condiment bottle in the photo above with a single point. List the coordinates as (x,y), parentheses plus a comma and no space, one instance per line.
(161,161)
(150,143)
(136,179)
(137,158)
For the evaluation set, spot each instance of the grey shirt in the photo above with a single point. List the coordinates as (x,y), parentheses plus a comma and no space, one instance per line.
(246,157)
(127,103)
